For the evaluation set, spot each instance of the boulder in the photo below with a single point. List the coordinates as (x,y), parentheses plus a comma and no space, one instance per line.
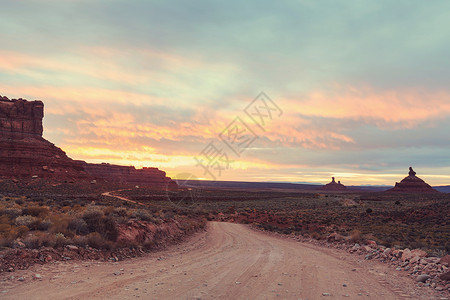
(445,260)
(406,255)
(419,253)
(422,278)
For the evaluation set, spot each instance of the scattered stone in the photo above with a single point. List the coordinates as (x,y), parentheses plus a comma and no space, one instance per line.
(445,276)
(326,294)
(37,276)
(21,279)
(445,260)
(415,259)
(406,255)
(423,278)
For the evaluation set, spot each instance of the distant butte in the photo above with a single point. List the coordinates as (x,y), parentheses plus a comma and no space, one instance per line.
(24,153)
(412,184)
(334,186)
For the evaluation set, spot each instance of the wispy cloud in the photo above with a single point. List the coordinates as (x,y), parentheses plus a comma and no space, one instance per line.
(363,91)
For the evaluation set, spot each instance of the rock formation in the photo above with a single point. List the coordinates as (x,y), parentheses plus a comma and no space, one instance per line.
(130,175)
(334,186)
(23,150)
(24,153)
(412,184)
(20,118)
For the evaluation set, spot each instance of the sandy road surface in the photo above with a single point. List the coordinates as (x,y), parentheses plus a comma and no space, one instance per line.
(228,261)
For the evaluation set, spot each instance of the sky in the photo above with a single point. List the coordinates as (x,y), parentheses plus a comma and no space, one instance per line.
(359,90)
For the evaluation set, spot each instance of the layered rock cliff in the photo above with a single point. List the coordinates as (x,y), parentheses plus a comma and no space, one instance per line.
(20,118)
(23,150)
(24,153)
(129,175)
(412,184)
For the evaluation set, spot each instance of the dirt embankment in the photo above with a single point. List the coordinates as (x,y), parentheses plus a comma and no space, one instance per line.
(228,261)
(144,236)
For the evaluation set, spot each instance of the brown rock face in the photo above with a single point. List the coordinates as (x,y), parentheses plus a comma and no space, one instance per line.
(130,175)
(20,118)
(412,184)
(24,153)
(334,186)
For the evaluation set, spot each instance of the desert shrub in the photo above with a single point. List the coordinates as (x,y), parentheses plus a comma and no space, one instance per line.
(355,236)
(142,215)
(19,201)
(33,242)
(6,242)
(80,241)
(60,240)
(79,226)
(167,215)
(5,229)
(120,212)
(59,224)
(316,235)
(4,219)
(22,230)
(108,210)
(95,240)
(11,212)
(92,217)
(44,225)
(108,228)
(35,211)
(77,208)
(369,210)
(27,220)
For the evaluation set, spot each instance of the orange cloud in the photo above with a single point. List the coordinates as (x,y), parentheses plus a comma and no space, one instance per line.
(408,106)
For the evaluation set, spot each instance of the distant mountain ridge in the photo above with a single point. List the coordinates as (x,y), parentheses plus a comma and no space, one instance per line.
(286,185)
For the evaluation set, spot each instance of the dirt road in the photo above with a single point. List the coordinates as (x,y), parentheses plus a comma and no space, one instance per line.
(111,194)
(228,261)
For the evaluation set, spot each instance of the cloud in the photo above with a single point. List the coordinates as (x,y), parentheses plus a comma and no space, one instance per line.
(363,85)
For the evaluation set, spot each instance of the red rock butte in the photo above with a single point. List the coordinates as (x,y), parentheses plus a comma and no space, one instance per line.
(412,184)
(334,186)
(24,153)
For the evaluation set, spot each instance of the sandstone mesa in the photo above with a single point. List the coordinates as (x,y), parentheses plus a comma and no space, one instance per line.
(25,154)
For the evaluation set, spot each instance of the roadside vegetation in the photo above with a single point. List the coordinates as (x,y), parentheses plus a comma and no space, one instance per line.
(69,214)
(392,220)
(41,215)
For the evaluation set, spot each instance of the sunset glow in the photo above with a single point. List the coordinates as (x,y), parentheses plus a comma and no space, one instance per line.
(364,93)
